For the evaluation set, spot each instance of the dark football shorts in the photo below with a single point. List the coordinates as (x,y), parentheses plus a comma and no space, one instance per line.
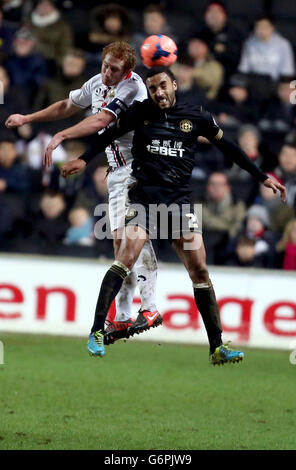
(164,213)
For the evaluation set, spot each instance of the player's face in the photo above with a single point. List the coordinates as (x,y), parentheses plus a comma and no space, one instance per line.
(112,70)
(162,90)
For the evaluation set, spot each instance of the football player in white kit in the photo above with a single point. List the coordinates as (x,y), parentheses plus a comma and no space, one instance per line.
(108,93)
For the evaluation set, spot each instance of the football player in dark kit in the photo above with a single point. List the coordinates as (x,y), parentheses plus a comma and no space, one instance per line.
(164,143)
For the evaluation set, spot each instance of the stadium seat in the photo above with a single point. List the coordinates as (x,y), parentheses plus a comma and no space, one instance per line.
(261,86)
(244,189)
(284,9)
(191,7)
(249,10)
(287,28)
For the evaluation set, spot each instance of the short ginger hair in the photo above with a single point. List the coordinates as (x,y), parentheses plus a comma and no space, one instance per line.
(124,51)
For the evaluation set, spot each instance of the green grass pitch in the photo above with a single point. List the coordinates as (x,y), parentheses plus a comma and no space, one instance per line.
(142,396)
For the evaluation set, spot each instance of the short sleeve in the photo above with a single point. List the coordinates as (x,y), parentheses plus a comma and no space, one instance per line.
(82,97)
(209,127)
(126,92)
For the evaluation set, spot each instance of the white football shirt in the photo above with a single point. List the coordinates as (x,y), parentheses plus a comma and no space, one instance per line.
(114,99)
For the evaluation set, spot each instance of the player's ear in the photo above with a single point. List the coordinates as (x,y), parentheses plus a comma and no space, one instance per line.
(175,86)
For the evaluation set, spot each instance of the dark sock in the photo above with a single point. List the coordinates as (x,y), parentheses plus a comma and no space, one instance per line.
(206,303)
(110,287)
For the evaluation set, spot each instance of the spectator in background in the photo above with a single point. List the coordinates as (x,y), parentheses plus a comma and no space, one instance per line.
(188,91)
(280,116)
(54,35)
(287,247)
(208,72)
(14,175)
(35,149)
(71,186)
(224,39)
(279,213)
(13,100)
(267,52)
(286,169)
(95,190)
(236,107)
(249,141)
(154,22)
(14,188)
(80,231)
(50,225)
(222,216)
(245,255)
(7,32)
(108,23)
(25,67)
(256,228)
(70,76)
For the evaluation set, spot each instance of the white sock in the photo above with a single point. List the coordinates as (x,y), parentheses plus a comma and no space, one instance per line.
(146,268)
(124,298)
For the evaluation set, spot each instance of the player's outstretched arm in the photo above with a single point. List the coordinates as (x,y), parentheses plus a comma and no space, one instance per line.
(88,126)
(235,153)
(56,111)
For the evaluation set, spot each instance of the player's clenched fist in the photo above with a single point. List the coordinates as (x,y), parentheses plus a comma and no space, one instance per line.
(16,120)
(74,167)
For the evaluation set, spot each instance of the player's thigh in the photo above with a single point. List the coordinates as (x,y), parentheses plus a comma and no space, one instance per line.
(132,242)
(117,188)
(192,253)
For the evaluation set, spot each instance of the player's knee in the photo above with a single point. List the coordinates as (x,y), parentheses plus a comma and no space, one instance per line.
(128,259)
(199,273)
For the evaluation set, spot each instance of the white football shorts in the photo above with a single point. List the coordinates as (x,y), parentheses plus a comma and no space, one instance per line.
(119,181)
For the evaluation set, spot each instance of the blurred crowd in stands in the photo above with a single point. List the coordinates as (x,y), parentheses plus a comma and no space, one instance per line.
(237,59)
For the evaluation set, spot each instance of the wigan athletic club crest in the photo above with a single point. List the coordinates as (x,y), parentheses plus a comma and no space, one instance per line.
(186,125)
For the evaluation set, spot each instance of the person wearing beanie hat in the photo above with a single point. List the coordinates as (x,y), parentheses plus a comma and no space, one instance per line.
(259,212)
(258,229)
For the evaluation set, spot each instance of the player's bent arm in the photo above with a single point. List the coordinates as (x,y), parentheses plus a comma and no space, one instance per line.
(101,142)
(235,153)
(88,126)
